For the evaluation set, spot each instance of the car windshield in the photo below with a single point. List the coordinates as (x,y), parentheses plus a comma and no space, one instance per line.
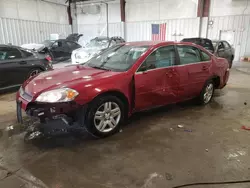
(98,43)
(120,58)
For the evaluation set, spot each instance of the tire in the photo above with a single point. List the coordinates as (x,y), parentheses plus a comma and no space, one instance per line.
(231,62)
(202,99)
(34,72)
(103,119)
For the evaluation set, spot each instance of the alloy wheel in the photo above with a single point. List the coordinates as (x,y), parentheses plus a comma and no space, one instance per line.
(208,93)
(107,117)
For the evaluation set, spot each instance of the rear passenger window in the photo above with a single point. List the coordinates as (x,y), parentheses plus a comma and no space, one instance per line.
(26,53)
(205,56)
(188,55)
(9,53)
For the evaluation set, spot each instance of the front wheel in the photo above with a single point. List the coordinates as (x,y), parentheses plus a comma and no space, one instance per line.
(105,116)
(34,72)
(207,93)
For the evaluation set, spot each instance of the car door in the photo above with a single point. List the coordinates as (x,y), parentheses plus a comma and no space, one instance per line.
(221,50)
(228,52)
(153,80)
(197,64)
(60,50)
(11,67)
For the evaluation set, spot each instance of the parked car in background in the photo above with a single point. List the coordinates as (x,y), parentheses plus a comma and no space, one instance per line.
(18,64)
(224,49)
(218,47)
(94,47)
(122,80)
(59,50)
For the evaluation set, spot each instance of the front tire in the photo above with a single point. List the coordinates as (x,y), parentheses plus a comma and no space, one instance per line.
(105,116)
(207,93)
(34,72)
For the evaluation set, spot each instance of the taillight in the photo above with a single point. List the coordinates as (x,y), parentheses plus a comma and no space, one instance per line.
(48,58)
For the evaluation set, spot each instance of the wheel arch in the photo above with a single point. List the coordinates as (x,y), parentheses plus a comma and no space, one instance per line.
(117,94)
(216,80)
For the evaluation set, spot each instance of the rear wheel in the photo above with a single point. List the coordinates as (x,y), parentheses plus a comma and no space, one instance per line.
(207,93)
(105,116)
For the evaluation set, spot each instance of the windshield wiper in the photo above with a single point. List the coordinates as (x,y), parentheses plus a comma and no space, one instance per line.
(102,68)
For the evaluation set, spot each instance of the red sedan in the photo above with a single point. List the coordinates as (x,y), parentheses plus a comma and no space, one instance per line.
(125,79)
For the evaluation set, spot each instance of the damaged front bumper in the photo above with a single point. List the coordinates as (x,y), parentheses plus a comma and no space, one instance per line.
(54,118)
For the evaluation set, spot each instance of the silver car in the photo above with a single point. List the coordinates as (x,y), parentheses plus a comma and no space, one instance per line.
(94,47)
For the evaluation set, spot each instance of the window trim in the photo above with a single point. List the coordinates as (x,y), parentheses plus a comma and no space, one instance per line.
(175,63)
(199,53)
(229,46)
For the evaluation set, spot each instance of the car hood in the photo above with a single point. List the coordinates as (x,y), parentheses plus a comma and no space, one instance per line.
(65,77)
(88,51)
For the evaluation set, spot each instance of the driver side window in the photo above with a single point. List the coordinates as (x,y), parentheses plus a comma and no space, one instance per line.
(112,43)
(160,58)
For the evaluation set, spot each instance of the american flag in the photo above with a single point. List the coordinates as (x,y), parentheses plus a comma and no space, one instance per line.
(159,31)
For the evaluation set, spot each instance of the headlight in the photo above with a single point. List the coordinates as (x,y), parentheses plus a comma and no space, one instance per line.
(21,91)
(57,95)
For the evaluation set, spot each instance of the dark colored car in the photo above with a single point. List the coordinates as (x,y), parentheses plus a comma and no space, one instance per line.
(18,64)
(59,50)
(125,79)
(218,47)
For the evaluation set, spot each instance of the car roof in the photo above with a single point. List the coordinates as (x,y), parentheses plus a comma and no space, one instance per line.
(154,43)
(10,46)
(107,38)
(196,38)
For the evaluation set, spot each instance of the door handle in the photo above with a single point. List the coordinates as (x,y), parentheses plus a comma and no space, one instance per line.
(22,62)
